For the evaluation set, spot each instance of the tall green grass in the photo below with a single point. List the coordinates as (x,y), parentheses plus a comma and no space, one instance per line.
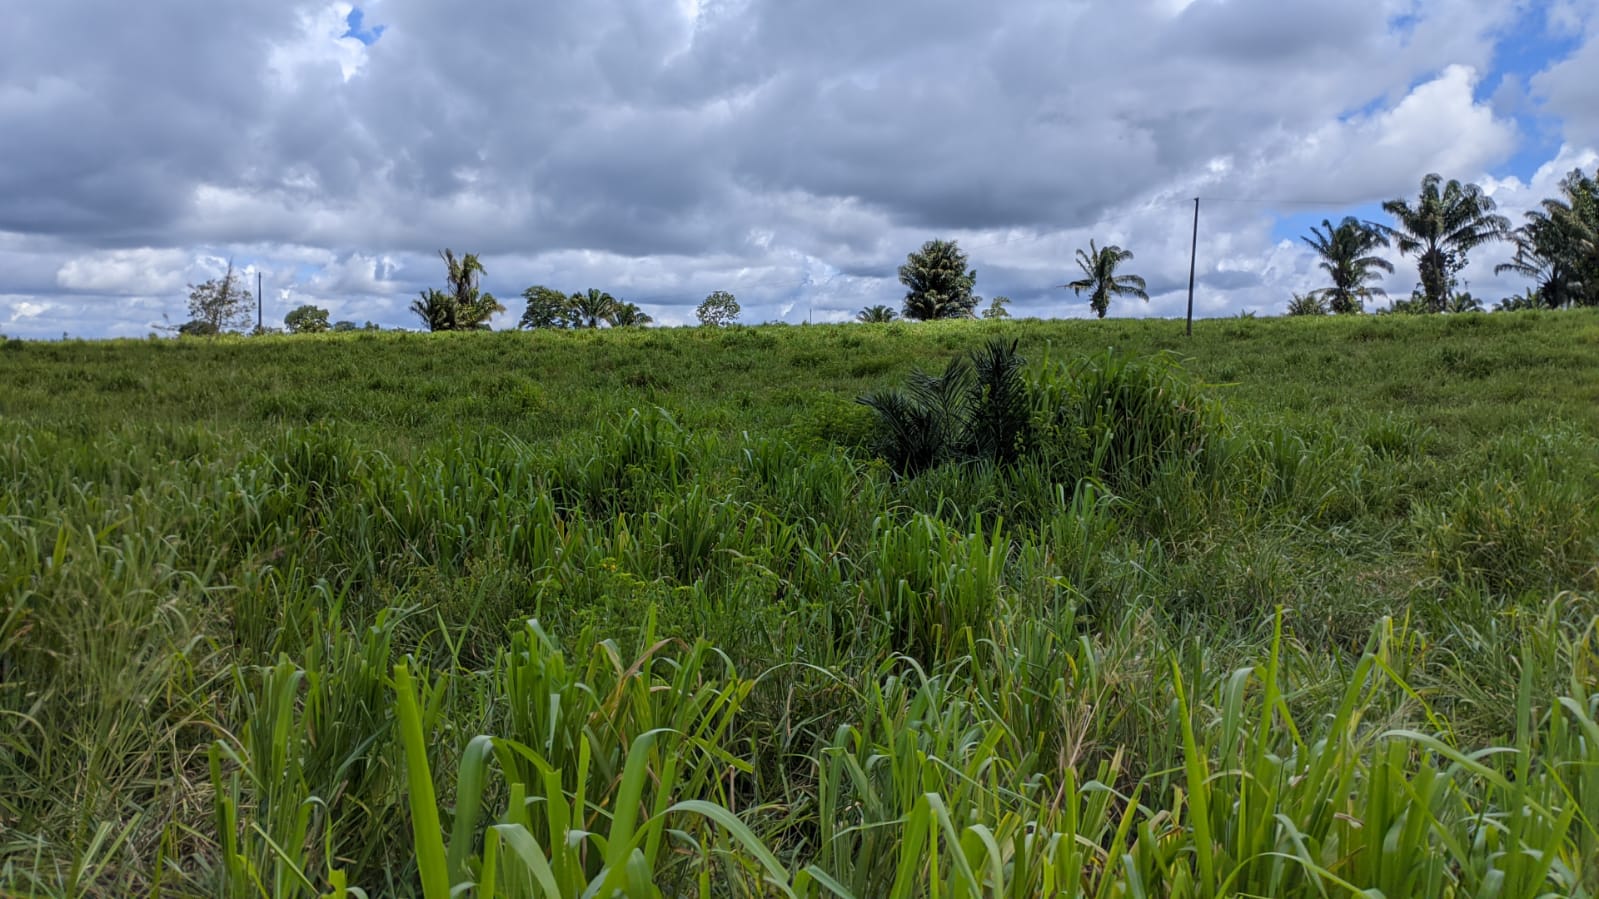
(1191,645)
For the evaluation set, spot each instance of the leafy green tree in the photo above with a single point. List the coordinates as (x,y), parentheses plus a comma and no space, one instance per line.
(464,306)
(220,304)
(937,282)
(876,314)
(1558,245)
(1100,278)
(627,315)
(307,319)
(1348,256)
(1447,221)
(718,309)
(547,308)
(592,307)
(996,308)
(1463,302)
(340,327)
(1307,304)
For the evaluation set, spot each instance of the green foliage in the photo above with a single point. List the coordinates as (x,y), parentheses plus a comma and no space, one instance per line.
(220,304)
(1525,522)
(1123,419)
(1308,304)
(488,630)
(1447,222)
(1525,301)
(547,308)
(720,308)
(878,314)
(627,315)
(592,307)
(1348,256)
(976,409)
(1558,246)
(463,307)
(937,282)
(308,319)
(1100,278)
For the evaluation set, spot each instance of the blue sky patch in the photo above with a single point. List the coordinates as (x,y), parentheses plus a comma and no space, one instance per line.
(357,28)
(1523,50)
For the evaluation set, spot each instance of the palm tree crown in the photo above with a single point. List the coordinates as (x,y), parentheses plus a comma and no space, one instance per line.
(876,314)
(463,307)
(937,282)
(1100,278)
(592,307)
(628,315)
(1447,221)
(1346,255)
(1559,245)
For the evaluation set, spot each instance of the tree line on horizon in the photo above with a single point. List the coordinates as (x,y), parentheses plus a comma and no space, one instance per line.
(1557,247)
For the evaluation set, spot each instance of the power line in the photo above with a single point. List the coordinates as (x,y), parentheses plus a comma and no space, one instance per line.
(1315,204)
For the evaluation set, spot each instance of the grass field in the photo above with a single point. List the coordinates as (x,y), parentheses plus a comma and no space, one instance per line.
(1298,607)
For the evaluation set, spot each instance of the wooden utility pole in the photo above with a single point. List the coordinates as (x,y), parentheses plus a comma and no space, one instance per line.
(1193,261)
(258,327)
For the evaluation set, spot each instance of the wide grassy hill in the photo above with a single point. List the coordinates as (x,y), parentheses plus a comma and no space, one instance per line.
(1469,375)
(1293,607)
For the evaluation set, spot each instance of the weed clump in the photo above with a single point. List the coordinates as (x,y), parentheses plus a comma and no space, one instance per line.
(1122,419)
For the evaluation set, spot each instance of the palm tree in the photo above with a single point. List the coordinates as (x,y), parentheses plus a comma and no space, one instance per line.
(1539,256)
(463,307)
(436,309)
(593,307)
(1100,278)
(1307,304)
(627,315)
(1448,221)
(1347,256)
(1559,245)
(462,275)
(876,314)
(937,282)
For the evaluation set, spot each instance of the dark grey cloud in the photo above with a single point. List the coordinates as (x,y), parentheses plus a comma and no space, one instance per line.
(790,150)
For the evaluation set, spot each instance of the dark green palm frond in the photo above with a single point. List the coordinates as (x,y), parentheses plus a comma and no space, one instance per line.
(1000,413)
(910,435)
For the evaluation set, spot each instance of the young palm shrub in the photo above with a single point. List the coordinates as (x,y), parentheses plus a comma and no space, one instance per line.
(976,409)
(1000,415)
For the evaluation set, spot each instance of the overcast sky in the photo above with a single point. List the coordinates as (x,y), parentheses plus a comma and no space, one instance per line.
(789,151)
